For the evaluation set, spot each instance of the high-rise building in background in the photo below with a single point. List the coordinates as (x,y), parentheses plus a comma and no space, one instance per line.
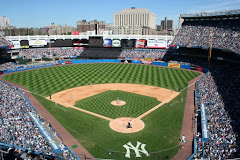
(167,24)
(4,23)
(134,21)
(83,26)
(166,27)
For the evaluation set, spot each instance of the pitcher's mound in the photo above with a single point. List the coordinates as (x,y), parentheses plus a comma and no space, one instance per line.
(119,103)
(120,125)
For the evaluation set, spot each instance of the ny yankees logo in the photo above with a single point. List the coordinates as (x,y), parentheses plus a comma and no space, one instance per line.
(129,146)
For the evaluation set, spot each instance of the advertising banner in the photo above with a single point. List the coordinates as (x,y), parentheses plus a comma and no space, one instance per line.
(75,33)
(116,43)
(24,47)
(146,62)
(199,68)
(156,44)
(148,59)
(68,62)
(15,44)
(174,65)
(37,43)
(141,43)
(107,43)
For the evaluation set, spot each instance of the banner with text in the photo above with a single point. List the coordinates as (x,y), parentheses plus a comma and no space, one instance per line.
(174,65)
(156,44)
(37,43)
(116,43)
(141,43)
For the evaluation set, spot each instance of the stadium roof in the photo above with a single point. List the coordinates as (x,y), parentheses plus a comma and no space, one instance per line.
(223,14)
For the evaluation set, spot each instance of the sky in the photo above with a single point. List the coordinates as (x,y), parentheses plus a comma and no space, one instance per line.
(40,13)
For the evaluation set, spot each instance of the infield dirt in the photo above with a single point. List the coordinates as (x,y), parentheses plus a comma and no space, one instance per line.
(69,97)
(72,95)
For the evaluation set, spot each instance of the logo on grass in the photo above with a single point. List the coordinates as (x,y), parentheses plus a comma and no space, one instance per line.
(136,149)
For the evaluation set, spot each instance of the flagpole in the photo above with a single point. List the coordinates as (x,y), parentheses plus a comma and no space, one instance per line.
(210,48)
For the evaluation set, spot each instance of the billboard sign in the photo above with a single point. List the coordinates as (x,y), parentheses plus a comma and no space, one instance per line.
(156,44)
(141,43)
(146,62)
(107,43)
(75,33)
(15,44)
(116,43)
(174,65)
(37,43)
(24,47)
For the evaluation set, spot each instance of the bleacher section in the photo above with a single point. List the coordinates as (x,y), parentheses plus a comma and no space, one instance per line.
(21,128)
(4,42)
(196,33)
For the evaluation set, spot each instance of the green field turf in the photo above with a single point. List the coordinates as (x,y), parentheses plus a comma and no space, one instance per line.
(47,81)
(101,104)
(162,127)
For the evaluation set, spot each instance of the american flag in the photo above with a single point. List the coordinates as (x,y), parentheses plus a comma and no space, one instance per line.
(46,29)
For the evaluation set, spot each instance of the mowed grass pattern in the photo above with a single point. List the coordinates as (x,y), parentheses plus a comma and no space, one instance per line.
(101,104)
(47,81)
(162,127)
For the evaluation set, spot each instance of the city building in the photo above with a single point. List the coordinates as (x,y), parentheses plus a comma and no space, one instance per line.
(167,24)
(166,27)
(60,30)
(83,26)
(4,23)
(134,21)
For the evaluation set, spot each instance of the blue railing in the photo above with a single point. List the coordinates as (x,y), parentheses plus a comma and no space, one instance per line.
(195,101)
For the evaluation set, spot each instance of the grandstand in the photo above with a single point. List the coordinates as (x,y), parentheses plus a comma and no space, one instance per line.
(30,137)
(196,29)
(216,131)
(216,96)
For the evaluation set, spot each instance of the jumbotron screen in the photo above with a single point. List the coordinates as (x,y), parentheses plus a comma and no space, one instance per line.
(95,41)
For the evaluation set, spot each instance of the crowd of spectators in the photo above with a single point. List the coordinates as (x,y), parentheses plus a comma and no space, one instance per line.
(19,130)
(4,42)
(8,65)
(226,34)
(143,54)
(38,53)
(219,92)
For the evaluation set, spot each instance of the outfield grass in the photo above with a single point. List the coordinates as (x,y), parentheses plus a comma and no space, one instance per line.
(162,127)
(47,81)
(101,104)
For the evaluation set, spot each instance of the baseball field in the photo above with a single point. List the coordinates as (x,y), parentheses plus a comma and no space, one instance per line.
(95,102)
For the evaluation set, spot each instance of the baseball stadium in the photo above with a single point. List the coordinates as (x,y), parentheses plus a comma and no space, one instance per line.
(119,97)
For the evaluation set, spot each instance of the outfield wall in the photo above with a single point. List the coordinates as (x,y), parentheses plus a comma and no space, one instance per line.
(79,61)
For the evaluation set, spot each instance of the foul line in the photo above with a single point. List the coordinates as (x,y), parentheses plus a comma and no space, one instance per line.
(82,110)
(157,106)
(109,119)
(164,102)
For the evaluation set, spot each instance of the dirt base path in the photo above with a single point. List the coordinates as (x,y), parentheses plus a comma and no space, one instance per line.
(69,97)
(187,125)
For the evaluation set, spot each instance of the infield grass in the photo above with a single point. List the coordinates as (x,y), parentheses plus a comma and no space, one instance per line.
(101,104)
(162,127)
